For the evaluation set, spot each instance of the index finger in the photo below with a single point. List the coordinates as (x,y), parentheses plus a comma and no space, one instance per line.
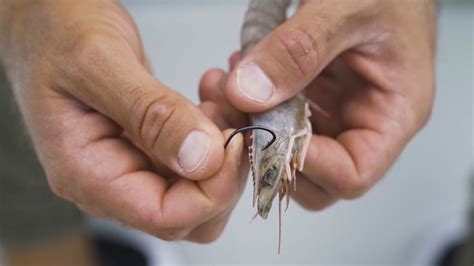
(144,200)
(353,162)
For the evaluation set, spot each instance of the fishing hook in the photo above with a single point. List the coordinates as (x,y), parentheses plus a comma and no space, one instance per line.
(269,130)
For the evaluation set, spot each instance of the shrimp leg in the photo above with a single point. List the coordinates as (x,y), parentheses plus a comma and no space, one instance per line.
(300,133)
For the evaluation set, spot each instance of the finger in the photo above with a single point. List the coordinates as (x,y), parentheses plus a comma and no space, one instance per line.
(211,110)
(234,59)
(226,187)
(311,196)
(211,89)
(211,85)
(286,61)
(162,121)
(143,200)
(207,198)
(349,165)
(85,158)
(148,65)
(211,230)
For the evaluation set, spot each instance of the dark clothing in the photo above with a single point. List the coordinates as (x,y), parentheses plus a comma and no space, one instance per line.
(29,211)
(467,253)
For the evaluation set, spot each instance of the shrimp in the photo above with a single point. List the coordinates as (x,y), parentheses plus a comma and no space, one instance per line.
(274,158)
(274,168)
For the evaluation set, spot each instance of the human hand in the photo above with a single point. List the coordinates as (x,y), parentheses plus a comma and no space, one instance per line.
(112,138)
(368,63)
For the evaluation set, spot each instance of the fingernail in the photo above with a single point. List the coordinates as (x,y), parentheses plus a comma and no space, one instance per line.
(194,150)
(254,83)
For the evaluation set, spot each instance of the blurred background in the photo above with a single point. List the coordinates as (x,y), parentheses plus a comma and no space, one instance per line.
(419,204)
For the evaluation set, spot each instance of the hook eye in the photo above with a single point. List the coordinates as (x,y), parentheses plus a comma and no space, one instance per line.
(243,129)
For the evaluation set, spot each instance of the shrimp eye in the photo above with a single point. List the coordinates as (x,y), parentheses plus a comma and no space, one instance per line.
(269,177)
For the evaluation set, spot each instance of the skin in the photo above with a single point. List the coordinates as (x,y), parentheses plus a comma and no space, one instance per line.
(83,83)
(106,130)
(370,64)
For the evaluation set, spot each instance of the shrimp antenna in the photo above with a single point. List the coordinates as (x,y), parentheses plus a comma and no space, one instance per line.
(243,129)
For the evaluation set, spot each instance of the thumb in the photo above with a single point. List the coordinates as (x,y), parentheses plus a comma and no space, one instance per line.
(288,59)
(162,122)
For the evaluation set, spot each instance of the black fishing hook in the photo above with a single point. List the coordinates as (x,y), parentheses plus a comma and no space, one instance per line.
(237,131)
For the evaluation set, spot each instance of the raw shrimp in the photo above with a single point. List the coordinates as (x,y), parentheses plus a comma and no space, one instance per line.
(274,158)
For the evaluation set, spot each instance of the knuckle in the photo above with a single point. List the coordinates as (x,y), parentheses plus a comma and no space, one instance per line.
(208,233)
(58,183)
(61,187)
(92,211)
(172,234)
(57,189)
(210,237)
(427,109)
(354,186)
(152,113)
(226,199)
(161,227)
(313,205)
(301,48)
(92,52)
(425,118)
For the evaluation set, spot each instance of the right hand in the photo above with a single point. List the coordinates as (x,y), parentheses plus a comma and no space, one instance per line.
(370,64)
(112,138)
